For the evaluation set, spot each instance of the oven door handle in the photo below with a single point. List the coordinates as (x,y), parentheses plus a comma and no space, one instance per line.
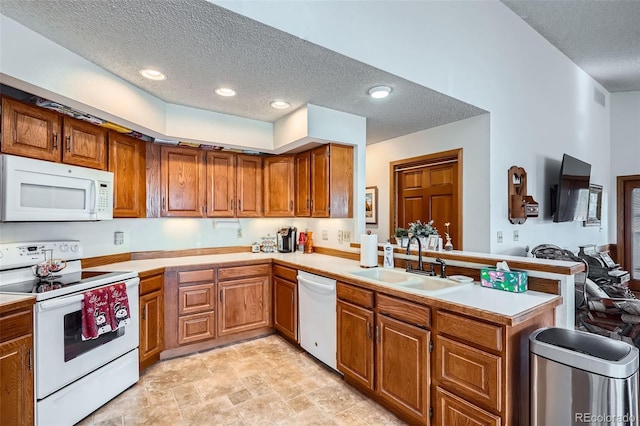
(59,302)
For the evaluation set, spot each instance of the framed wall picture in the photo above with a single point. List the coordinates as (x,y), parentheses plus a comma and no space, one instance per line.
(371,204)
(594,209)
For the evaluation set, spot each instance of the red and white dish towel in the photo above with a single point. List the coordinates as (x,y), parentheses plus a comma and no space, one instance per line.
(104,310)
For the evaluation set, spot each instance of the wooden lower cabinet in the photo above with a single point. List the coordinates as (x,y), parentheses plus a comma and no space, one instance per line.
(355,343)
(402,367)
(244,305)
(196,327)
(285,308)
(452,410)
(16,366)
(151,320)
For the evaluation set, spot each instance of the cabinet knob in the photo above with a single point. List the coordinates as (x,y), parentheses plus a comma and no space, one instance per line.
(144,312)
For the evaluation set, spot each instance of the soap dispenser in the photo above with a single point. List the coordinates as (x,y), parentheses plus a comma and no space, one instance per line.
(387,249)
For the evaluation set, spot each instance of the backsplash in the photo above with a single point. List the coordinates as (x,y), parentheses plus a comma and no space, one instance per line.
(172,233)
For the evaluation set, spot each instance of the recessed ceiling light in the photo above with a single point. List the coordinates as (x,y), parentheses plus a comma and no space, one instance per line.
(225,91)
(379,92)
(280,104)
(152,74)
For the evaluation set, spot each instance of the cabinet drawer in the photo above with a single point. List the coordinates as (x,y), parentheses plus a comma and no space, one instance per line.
(196,327)
(451,410)
(243,271)
(472,373)
(15,324)
(285,273)
(150,284)
(404,310)
(477,332)
(195,276)
(196,298)
(353,294)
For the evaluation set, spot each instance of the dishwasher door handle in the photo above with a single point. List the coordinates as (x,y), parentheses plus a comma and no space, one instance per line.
(312,285)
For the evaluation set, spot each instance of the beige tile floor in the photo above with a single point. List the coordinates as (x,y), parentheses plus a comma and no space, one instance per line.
(265,381)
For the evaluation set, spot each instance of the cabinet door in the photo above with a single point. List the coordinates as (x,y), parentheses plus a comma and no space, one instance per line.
(303,184)
(355,343)
(279,191)
(285,308)
(221,184)
(151,328)
(320,182)
(85,144)
(16,381)
(340,181)
(182,182)
(196,328)
(30,131)
(451,410)
(249,186)
(244,305)
(127,161)
(402,362)
(196,298)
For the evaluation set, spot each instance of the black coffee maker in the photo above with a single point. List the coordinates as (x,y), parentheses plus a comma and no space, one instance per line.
(287,239)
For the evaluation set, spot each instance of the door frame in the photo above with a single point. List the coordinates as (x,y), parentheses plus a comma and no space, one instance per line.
(622,254)
(425,160)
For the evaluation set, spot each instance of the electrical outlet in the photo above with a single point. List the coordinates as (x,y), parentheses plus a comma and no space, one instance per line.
(325,234)
(346,236)
(516,235)
(499,237)
(340,235)
(239,233)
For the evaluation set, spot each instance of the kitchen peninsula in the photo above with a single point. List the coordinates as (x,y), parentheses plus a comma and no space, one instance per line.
(444,335)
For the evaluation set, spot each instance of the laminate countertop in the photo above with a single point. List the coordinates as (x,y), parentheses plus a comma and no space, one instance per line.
(494,305)
(10,302)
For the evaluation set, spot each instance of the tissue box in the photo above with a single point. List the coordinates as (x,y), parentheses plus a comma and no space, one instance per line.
(513,281)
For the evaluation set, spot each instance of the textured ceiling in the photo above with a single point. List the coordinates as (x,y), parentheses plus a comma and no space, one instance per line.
(601,37)
(201,46)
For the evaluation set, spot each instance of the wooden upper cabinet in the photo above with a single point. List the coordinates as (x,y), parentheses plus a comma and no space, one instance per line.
(127,161)
(332,181)
(221,184)
(303,184)
(85,144)
(30,131)
(249,186)
(279,191)
(182,182)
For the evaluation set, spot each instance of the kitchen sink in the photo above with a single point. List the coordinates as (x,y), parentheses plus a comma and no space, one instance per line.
(411,282)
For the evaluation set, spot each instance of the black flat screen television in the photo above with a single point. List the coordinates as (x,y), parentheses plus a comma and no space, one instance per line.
(573,187)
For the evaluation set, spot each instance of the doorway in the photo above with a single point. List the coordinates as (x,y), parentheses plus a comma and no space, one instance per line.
(628,219)
(429,187)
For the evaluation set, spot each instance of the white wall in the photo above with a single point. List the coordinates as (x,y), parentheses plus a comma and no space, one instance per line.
(541,104)
(472,135)
(171,233)
(625,146)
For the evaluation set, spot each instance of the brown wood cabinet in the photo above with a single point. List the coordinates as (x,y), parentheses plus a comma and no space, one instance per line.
(302,197)
(244,299)
(398,375)
(182,182)
(279,189)
(127,161)
(452,410)
(285,302)
(30,131)
(151,320)
(355,343)
(234,185)
(190,307)
(330,189)
(16,365)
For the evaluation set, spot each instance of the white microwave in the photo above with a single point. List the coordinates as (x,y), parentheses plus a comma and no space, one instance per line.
(42,191)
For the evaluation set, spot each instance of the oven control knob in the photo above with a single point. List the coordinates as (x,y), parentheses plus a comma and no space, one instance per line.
(64,248)
(75,248)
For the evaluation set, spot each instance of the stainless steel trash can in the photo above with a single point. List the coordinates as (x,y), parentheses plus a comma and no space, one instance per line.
(581,378)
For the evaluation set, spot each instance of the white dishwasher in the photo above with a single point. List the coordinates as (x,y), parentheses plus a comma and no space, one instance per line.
(317,313)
